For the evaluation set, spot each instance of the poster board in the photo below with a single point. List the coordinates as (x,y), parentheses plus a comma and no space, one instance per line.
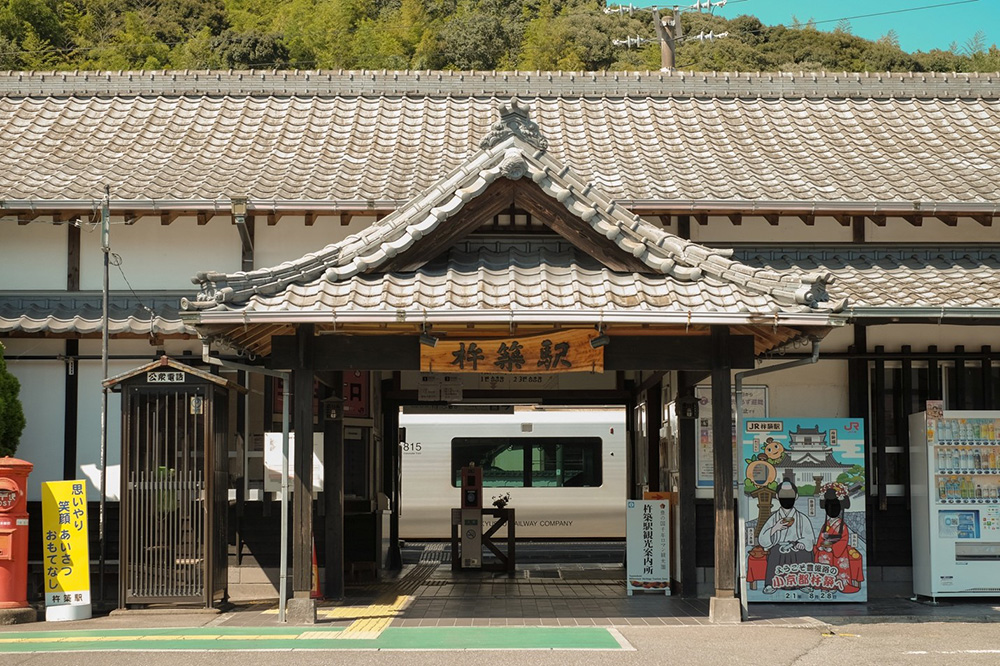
(272,461)
(647,538)
(812,548)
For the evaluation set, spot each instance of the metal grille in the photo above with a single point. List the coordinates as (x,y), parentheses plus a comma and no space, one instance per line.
(166,501)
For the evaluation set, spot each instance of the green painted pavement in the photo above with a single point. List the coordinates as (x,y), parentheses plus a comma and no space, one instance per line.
(300,638)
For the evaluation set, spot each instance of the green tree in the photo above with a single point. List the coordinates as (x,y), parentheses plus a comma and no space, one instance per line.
(474,39)
(37,53)
(11,414)
(251,50)
(196,53)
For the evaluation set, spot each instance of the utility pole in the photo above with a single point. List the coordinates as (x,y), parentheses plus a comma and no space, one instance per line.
(106,249)
(668,30)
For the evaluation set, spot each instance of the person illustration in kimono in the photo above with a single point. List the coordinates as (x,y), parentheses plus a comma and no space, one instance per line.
(788,537)
(833,543)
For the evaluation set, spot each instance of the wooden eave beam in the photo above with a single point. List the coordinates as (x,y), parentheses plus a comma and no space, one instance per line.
(772,219)
(345,218)
(496,197)
(877,219)
(915,220)
(201,218)
(168,218)
(554,215)
(985,219)
(736,219)
(809,219)
(701,218)
(950,220)
(842,219)
(310,219)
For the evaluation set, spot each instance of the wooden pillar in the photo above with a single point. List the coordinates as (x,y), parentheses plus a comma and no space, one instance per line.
(631,442)
(687,432)
(391,472)
(333,492)
(71,409)
(654,420)
(302,495)
(724,605)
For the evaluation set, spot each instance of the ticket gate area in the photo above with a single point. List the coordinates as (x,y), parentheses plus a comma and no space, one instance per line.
(467,536)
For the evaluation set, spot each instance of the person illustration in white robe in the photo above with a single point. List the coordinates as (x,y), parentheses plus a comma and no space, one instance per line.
(788,537)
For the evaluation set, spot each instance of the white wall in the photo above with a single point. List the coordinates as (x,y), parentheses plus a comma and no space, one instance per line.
(920,336)
(33,256)
(290,238)
(753,229)
(814,390)
(931,231)
(158,256)
(43,386)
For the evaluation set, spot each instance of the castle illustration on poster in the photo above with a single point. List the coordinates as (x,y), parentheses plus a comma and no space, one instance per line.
(803,500)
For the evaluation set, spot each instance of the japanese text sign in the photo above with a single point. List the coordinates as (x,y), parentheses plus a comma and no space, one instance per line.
(65,554)
(647,535)
(561,351)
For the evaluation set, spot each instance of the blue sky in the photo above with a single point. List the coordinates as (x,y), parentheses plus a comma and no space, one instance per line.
(931,23)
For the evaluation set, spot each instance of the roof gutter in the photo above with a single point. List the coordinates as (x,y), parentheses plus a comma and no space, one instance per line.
(638,206)
(221,205)
(751,206)
(515,316)
(922,313)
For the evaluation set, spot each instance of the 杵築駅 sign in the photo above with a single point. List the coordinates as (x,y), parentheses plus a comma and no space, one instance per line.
(562,351)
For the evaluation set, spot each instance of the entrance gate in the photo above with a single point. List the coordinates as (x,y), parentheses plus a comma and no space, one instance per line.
(174,485)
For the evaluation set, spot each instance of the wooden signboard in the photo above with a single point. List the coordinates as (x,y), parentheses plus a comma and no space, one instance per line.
(562,351)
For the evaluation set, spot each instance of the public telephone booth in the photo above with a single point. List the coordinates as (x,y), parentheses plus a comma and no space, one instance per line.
(174,486)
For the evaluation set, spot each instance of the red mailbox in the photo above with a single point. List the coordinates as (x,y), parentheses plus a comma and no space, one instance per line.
(14,532)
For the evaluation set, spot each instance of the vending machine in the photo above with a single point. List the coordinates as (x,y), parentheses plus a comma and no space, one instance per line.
(955,491)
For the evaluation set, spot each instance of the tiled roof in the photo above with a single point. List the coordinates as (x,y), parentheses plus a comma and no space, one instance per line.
(894,277)
(928,279)
(290,140)
(80,313)
(543,277)
(677,276)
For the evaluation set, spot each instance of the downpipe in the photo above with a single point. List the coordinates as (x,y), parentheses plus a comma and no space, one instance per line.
(809,360)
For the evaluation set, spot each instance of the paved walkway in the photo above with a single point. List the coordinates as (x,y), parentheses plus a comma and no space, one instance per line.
(427,606)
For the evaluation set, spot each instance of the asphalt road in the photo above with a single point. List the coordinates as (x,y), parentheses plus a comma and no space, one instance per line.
(885,644)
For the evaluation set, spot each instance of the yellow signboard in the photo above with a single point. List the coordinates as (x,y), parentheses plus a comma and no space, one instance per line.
(561,351)
(65,552)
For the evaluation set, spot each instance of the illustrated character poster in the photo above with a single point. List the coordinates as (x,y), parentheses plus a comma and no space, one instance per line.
(804,503)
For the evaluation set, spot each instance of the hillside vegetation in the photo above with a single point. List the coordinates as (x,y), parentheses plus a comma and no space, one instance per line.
(427,34)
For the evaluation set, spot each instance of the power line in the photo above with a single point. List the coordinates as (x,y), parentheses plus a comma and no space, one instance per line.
(874,14)
(894,11)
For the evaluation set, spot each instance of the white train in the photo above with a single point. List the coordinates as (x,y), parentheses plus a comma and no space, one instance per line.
(564,469)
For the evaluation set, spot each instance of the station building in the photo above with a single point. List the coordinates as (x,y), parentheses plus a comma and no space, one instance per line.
(309,228)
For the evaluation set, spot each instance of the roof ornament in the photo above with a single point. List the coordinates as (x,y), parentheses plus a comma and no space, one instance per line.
(514,121)
(513,165)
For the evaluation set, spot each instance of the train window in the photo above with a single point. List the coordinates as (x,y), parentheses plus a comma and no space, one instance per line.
(541,462)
